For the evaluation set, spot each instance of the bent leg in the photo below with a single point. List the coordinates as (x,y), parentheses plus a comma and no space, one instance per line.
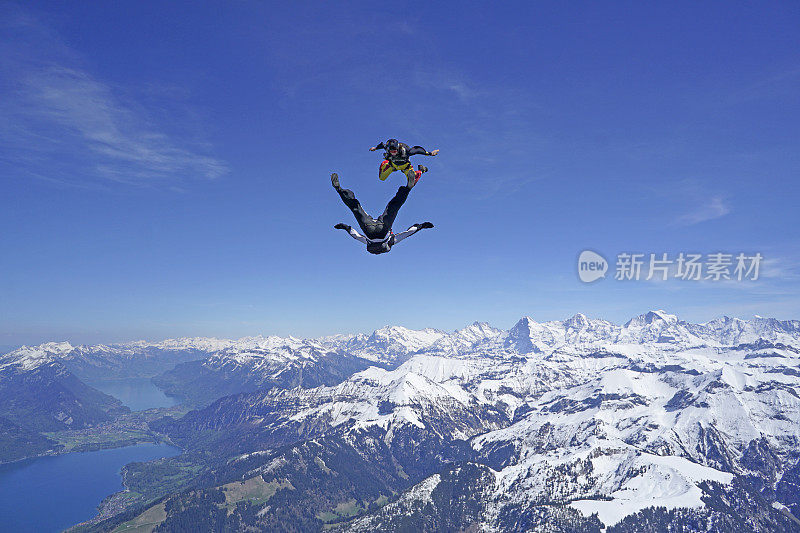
(384,170)
(412,175)
(394,205)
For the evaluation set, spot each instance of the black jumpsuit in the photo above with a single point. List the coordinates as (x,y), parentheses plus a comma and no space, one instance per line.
(377,232)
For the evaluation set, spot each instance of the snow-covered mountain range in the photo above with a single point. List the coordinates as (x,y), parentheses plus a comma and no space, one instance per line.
(580,422)
(392,344)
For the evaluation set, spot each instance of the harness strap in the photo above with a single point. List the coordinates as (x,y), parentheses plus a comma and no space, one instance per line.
(388,236)
(401,157)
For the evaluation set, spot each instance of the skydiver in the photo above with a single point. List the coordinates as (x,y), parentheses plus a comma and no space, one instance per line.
(396,157)
(378,234)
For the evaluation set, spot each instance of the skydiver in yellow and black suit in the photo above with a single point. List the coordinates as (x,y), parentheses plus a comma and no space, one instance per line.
(396,157)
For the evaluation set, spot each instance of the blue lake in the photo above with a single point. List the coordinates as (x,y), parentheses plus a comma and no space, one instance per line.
(47,494)
(137,393)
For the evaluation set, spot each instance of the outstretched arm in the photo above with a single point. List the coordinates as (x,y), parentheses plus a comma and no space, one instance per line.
(419,150)
(353,233)
(380,145)
(411,231)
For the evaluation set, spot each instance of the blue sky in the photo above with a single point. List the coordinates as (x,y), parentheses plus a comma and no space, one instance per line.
(165,166)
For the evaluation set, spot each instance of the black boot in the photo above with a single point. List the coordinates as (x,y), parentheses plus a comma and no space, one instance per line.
(335,181)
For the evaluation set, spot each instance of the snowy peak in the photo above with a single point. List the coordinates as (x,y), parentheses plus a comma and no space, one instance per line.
(31,357)
(521,337)
(659,327)
(409,389)
(409,339)
(273,352)
(652,317)
(581,329)
(578,321)
(528,335)
(732,331)
(392,344)
(538,335)
(477,331)
(465,340)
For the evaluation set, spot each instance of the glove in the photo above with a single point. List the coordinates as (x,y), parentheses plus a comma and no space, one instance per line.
(342,226)
(425,225)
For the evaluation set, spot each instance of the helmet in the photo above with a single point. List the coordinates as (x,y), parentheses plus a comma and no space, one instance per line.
(393,146)
(378,247)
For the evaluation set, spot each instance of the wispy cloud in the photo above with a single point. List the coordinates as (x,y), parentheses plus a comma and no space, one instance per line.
(780,268)
(776,84)
(448,82)
(59,121)
(714,207)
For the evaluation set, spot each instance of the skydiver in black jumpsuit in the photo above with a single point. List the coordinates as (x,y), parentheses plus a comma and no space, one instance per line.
(378,234)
